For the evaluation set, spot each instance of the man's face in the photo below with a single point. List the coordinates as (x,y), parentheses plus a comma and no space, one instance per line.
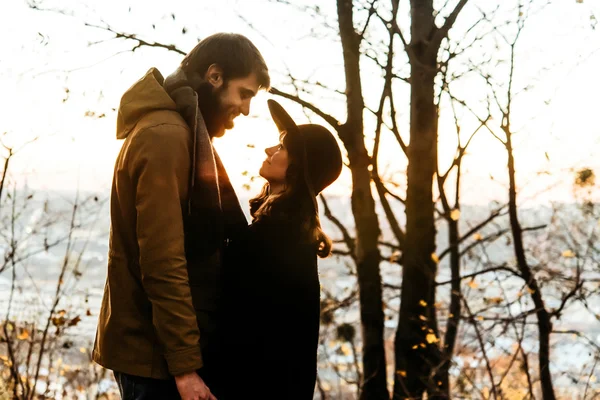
(232,99)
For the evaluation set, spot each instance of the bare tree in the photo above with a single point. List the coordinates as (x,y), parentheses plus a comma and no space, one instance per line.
(371,33)
(31,226)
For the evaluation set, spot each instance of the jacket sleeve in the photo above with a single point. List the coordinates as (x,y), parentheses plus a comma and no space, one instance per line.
(160,169)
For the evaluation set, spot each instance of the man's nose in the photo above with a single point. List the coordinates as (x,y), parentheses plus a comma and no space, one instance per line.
(245,108)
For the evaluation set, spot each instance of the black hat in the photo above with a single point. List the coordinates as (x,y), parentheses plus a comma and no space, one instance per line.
(316,147)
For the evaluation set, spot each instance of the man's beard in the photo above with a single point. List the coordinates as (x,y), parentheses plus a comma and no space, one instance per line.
(210,104)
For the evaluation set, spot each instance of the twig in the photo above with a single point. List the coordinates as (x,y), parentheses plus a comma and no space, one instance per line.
(482,346)
(141,42)
(335,124)
(57,295)
(350,243)
(485,271)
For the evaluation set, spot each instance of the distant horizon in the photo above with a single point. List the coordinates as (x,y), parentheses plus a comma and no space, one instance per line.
(74,87)
(244,195)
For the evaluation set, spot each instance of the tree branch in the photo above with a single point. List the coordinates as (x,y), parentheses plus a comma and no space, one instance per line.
(484,271)
(141,42)
(442,32)
(350,243)
(476,228)
(335,124)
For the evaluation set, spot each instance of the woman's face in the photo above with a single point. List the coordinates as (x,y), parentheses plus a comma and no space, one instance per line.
(275,166)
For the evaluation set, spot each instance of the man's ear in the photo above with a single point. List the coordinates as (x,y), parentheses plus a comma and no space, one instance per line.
(214,76)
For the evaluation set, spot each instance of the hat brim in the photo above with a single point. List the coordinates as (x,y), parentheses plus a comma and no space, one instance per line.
(281,118)
(285,123)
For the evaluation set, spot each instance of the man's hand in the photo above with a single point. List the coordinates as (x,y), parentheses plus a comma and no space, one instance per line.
(192,387)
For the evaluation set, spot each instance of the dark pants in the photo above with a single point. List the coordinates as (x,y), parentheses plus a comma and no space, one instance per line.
(139,388)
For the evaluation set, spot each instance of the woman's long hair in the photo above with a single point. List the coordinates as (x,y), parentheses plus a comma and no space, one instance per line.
(294,205)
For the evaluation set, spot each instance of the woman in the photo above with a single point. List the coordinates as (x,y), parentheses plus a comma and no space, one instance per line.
(271,279)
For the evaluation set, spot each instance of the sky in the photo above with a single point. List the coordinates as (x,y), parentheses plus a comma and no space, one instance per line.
(55,85)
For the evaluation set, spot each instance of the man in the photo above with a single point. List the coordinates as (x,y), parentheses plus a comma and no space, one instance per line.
(172,210)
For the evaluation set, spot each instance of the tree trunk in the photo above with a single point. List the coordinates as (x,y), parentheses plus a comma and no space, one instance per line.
(415,357)
(544,323)
(454,310)
(374,385)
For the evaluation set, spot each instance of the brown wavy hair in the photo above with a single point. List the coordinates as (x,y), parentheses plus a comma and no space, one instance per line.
(293,205)
(237,56)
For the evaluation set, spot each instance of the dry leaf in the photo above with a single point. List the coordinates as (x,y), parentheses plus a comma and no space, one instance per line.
(568,254)
(477,237)
(423,303)
(402,373)
(473,285)
(496,300)
(435,258)
(530,290)
(455,214)
(431,338)
(345,349)
(24,335)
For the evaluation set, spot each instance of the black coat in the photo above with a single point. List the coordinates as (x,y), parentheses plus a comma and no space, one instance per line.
(271,314)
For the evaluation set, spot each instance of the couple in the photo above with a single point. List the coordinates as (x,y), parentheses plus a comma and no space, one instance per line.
(197,304)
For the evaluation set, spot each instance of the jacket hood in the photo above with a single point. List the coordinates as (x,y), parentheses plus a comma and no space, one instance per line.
(145,96)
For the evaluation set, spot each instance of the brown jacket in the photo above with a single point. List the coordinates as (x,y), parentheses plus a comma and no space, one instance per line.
(162,289)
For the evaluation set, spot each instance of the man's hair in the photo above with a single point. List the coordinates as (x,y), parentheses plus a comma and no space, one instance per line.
(234,53)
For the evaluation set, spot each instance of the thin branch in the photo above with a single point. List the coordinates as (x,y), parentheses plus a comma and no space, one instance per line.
(57,297)
(350,243)
(485,271)
(525,357)
(556,313)
(395,129)
(589,378)
(442,32)
(493,215)
(489,238)
(385,94)
(140,42)
(394,195)
(371,12)
(482,346)
(335,124)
